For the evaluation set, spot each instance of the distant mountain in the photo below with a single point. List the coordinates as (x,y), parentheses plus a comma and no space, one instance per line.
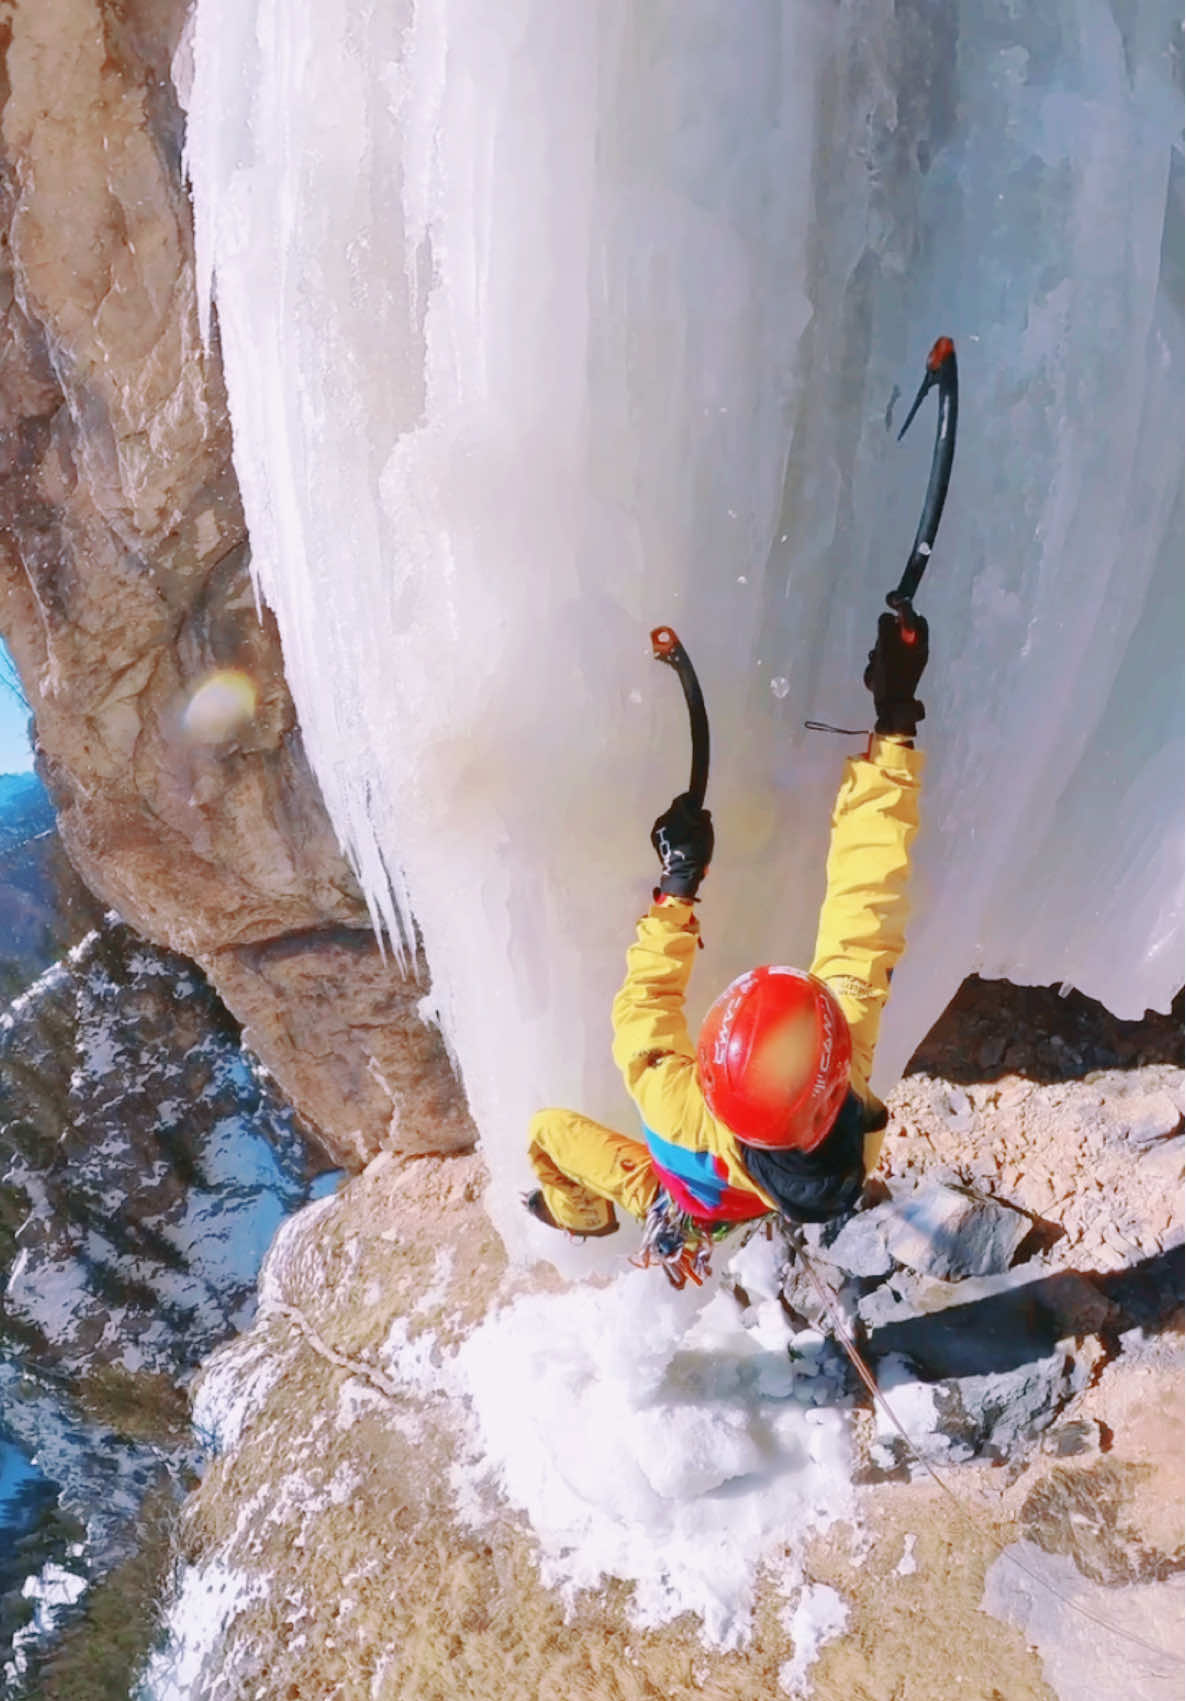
(44,906)
(25,810)
(145,1165)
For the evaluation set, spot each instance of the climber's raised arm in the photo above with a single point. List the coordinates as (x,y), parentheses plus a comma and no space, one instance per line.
(862,923)
(649,1024)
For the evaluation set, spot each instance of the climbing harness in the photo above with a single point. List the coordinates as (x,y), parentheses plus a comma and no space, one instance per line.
(942,372)
(678,1243)
(666,647)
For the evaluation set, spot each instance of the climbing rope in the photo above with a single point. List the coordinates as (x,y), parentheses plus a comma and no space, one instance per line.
(827,1299)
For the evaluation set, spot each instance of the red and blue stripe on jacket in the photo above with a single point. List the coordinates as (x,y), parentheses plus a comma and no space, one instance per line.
(699,1183)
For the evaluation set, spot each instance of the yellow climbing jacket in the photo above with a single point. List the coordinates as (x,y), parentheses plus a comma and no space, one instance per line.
(861,936)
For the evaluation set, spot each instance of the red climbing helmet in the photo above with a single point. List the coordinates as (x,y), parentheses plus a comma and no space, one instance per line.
(773,1058)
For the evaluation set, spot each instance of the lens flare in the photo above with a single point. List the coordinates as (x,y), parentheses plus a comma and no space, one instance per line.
(220,706)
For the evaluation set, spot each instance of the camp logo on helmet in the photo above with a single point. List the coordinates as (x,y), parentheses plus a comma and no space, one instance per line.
(827,1042)
(738,989)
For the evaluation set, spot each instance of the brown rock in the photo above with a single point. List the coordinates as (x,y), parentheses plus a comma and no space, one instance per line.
(1085,1513)
(124,585)
(340,1028)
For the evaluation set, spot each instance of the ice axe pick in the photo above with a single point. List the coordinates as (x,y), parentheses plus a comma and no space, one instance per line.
(942,373)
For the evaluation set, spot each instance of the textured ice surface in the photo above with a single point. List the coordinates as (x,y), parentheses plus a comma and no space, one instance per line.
(546,324)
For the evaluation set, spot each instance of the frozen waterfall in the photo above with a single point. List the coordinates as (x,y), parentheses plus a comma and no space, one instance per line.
(544,324)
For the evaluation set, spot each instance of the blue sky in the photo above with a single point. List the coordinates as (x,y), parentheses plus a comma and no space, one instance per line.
(16,755)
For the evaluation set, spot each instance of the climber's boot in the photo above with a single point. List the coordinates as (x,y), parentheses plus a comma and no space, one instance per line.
(538,1206)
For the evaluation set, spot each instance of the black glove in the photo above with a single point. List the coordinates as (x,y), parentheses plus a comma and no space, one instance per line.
(683,841)
(894,670)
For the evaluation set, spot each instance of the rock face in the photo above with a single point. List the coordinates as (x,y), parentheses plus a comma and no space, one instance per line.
(124,588)
(1018,1236)
(936,1227)
(949,1232)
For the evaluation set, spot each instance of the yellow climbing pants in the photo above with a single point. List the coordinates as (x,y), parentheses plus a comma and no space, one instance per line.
(585,1169)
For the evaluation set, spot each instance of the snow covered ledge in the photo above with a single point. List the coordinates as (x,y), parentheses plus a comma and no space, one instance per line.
(568,1501)
(437,1476)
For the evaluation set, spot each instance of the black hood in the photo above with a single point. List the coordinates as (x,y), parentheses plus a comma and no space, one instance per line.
(813,1187)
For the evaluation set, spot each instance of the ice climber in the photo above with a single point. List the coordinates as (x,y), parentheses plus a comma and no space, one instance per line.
(770,1110)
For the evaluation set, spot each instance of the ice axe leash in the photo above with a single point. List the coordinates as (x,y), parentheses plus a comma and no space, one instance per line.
(794,1238)
(943,373)
(666,647)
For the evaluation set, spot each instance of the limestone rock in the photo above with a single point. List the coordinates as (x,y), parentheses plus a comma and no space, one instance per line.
(860,1247)
(1087,1513)
(949,1232)
(124,587)
(341,1029)
(982,1366)
(960,1418)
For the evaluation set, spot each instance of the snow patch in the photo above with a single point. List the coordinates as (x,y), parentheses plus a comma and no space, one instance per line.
(413,1361)
(437,1286)
(915,1405)
(195,1662)
(52,1591)
(818,1616)
(357,1399)
(232,1387)
(663,1442)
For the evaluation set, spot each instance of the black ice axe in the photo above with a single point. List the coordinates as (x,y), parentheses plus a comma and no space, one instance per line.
(942,372)
(666,647)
